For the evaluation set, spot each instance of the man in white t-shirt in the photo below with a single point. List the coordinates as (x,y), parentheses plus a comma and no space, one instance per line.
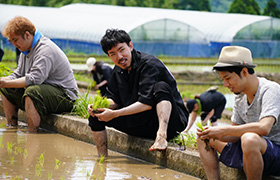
(252,143)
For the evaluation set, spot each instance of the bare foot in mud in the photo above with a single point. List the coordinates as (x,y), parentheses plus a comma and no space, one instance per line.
(160,144)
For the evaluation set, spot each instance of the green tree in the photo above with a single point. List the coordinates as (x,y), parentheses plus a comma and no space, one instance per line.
(204,5)
(201,5)
(271,9)
(244,7)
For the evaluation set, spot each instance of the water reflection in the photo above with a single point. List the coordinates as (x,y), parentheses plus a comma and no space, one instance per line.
(46,155)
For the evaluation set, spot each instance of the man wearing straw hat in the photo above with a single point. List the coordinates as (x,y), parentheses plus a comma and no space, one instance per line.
(252,143)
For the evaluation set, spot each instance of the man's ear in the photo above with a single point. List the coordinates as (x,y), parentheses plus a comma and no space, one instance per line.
(131,45)
(244,72)
(27,35)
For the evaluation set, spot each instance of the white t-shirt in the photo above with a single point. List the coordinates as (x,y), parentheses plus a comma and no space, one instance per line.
(266,103)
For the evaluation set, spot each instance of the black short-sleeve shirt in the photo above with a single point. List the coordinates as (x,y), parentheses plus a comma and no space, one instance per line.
(211,100)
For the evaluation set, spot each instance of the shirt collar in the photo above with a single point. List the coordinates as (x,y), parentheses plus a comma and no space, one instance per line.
(36,38)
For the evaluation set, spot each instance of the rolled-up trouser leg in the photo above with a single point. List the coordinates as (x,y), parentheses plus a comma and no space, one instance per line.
(162,92)
(47,99)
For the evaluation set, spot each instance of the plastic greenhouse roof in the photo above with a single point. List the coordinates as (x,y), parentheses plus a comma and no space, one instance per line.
(88,22)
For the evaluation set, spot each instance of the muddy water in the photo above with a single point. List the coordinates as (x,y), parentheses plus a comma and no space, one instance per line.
(46,155)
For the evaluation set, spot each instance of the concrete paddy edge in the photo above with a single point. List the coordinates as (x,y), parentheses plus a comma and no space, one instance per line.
(187,161)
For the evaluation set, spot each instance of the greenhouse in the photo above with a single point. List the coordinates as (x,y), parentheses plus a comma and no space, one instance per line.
(80,27)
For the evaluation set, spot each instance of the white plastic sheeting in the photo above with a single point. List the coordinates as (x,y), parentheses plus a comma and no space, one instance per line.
(88,22)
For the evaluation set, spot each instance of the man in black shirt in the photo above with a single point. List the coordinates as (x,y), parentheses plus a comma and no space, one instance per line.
(145,101)
(101,73)
(209,106)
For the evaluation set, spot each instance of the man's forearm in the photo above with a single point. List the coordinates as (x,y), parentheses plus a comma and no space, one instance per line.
(14,83)
(134,108)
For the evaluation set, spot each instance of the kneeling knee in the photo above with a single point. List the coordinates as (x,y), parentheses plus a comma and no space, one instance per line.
(250,141)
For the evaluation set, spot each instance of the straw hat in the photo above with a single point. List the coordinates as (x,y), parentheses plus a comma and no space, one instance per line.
(90,63)
(235,56)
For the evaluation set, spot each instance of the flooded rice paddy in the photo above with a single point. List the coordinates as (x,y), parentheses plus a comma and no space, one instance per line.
(172,68)
(47,156)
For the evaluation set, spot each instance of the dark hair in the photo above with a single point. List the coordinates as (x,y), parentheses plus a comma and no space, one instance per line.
(231,69)
(113,37)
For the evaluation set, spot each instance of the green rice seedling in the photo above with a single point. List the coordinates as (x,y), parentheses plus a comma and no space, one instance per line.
(99,102)
(61,178)
(101,168)
(4,70)
(200,125)
(185,140)
(49,176)
(42,160)
(18,150)
(101,160)
(10,147)
(88,174)
(25,154)
(96,178)
(190,140)
(206,141)
(40,165)
(12,158)
(38,170)
(81,104)
(2,125)
(56,164)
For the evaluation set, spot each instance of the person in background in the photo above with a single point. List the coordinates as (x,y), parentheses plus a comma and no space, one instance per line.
(18,52)
(1,50)
(252,143)
(1,54)
(209,106)
(145,101)
(101,73)
(43,82)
